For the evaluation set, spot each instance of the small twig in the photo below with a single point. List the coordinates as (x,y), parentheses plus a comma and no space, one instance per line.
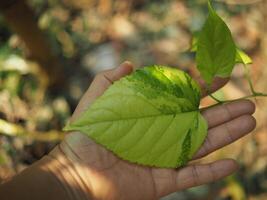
(216,99)
(249,79)
(14,130)
(257,94)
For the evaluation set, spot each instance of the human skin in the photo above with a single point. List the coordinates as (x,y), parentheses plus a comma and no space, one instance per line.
(78,168)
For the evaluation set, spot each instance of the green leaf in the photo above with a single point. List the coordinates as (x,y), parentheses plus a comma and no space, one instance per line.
(150,117)
(194,43)
(216,49)
(242,57)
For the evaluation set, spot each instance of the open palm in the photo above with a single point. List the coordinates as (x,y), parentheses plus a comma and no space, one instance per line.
(107,177)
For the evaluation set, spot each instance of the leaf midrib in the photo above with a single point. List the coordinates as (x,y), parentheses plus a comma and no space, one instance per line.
(136,118)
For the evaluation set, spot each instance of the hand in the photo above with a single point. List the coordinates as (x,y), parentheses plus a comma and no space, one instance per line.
(107,177)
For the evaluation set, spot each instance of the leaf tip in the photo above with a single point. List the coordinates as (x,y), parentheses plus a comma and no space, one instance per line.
(210,5)
(211,9)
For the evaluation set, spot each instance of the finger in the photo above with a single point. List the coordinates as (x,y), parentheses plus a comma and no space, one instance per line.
(226,133)
(200,174)
(191,176)
(100,83)
(114,74)
(223,113)
(216,84)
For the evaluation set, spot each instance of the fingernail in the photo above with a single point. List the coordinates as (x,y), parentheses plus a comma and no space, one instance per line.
(126,67)
(126,63)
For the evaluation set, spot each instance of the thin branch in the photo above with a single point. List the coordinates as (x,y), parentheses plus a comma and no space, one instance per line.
(14,130)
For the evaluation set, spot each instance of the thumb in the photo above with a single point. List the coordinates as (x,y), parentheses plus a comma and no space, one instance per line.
(100,83)
(109,76)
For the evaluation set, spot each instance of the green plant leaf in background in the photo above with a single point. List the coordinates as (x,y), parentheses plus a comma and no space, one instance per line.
(216,50)
(150,117)
(242,57)
(194,43)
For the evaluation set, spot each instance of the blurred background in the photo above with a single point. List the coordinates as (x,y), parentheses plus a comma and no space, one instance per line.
(51,49)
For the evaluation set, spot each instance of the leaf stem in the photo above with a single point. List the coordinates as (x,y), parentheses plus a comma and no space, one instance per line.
(256,94)
(253,91)
(216,99)
(213,97)
(249,79)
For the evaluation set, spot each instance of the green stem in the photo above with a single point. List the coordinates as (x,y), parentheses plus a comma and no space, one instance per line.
(249,79)
(214,98)
(211,96)
(256,94)
(253,95)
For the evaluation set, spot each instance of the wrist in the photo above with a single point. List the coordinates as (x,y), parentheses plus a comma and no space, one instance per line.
(52,178)
(65,171)
(92,163)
